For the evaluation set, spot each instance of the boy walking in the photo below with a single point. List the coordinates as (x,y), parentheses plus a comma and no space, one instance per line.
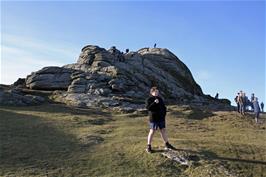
(157,113)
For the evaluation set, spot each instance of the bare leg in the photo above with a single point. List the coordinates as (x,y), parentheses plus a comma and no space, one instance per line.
(150,136)
(164,135)
(256,117)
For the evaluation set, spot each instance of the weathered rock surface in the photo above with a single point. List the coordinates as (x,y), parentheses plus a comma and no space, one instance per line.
(14,97)
(112,79)
(49,78)
(20,83)
(203,165)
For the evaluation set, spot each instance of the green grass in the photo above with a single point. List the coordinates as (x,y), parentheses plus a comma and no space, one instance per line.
(56,140)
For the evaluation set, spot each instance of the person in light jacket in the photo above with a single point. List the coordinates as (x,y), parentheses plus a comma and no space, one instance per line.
(256,109)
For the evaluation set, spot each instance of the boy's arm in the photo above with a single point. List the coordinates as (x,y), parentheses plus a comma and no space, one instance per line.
(164,107)
(150,105)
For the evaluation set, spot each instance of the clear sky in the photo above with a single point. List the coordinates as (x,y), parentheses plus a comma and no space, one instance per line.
(222,42)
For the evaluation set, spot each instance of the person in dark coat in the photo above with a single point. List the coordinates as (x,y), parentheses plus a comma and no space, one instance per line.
(252,98)
(237,102)
(216,96)
(245,102)
(157,112)
(262,106)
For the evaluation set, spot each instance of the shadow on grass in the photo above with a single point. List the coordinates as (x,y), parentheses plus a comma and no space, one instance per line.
(188,112)
(176,114)
(209,155)
(213,156)
(61,108)
(158,150)
(198,114)
(29,142)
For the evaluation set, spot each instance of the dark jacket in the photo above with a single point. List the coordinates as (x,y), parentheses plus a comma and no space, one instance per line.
(157,111)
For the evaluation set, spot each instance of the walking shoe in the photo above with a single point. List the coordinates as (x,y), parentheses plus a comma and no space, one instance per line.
(169,146)
(148,149)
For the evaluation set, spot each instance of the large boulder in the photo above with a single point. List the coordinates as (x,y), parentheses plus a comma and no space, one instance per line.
(92,58)
(20,83)
(109,74)
(170,70)
(110,78)
(14,97)
(50,78)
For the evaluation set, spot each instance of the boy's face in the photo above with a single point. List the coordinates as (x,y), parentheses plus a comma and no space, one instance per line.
(155,93)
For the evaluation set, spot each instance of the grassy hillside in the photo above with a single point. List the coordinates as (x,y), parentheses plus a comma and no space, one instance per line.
(55,140)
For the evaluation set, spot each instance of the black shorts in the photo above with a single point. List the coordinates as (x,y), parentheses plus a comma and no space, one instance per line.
(156,125)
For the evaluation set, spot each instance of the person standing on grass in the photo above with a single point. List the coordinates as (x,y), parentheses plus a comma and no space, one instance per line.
(157,112)
(256,109)
(240,101)
(252,98)
(245,99)
(237,103)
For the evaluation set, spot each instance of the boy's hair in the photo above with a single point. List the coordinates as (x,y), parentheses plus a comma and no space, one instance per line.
(153,89)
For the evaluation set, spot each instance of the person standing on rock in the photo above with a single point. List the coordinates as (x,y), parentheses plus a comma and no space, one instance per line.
(256,109)
(157,112)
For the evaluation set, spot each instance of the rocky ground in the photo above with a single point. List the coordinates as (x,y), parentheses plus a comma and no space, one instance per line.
(57,140)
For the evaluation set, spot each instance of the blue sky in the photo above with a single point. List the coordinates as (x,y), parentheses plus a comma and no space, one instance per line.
(222,42)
